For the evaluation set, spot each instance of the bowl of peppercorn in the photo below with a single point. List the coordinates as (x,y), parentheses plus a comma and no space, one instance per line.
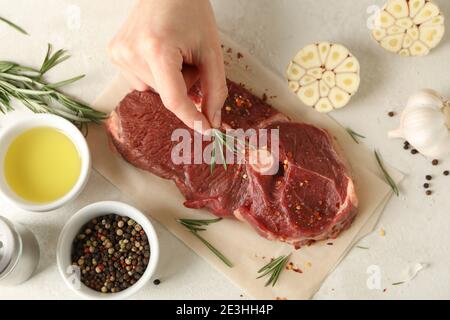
(107,250)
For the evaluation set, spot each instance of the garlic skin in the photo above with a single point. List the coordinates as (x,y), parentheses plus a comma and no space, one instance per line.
(425,124)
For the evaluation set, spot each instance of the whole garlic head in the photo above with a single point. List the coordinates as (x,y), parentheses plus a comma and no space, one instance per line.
(425,124)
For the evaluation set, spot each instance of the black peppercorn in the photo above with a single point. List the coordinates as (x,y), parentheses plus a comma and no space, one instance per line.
(428,177)
(446,173)
(429,193)
(435,162)
(414,151)
(391,114)
(156,282)
(426,185)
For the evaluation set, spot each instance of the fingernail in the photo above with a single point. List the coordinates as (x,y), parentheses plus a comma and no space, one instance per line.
(217,119)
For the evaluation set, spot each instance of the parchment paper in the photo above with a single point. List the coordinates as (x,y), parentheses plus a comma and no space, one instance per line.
(239,242)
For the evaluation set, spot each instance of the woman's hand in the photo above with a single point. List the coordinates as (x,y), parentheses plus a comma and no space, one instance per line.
(167,45)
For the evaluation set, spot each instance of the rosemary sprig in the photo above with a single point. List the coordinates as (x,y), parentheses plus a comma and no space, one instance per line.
(274,268)
(28,86)
(354,135)
(196,226)
(221,142)
(387,177)
(14,26)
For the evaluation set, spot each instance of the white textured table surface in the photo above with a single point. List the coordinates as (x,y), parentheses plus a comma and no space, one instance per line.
(417,227)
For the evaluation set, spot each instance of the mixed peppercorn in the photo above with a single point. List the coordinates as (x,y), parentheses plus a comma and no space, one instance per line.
(112,253)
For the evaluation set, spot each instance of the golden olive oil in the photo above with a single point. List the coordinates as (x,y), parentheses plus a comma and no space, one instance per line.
(42,165)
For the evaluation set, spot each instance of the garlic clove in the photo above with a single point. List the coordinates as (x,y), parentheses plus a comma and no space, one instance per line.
(324,76)
(309,94)
(337,54)
(392,43)
(416,25)
(407,42)
(385,20)
(379,34)
(404,23)
(431,35)
(351,64)
(338,97)
(415,6)
(294,85)
(316,73)
(324,50)
(330,78)
(395,30)
(308,57)
(324,105)
(324,89)
(436,21)
(413,32)
(398,8)
(307,80)
(404,53)
(295,72)
(418,48)
(348,82)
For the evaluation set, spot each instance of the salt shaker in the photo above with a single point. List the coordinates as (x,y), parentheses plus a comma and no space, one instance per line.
(19,253)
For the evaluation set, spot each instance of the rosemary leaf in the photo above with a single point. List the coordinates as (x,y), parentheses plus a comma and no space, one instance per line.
(214,250)
(398,283)
(354,135)
(201,222)
(194,225)
(274,268)
(14,26)
(222,142)
(361,247)
(387,177)
(64,82)
(51,60)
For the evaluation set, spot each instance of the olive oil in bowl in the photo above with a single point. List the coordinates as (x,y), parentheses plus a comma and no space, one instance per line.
(42,165)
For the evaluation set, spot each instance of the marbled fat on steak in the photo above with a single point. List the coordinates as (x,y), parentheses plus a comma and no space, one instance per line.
(311,198)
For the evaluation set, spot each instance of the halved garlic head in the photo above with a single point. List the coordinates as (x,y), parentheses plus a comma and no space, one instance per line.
(324,76)
(409,27)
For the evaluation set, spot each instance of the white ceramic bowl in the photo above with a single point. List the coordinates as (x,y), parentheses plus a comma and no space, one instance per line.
(26,122)
(73,226)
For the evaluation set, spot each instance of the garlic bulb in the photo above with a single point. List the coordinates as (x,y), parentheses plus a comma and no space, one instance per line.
(425,124)
(409,27)
(324,76)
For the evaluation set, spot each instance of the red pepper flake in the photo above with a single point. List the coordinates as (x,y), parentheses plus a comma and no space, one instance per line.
(385,289)
(229,50)
(239,55)
(264,97)
(239,102)
(293,267)
(329,243)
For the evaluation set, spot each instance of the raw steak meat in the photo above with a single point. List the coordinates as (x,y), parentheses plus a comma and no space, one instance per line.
(311,197)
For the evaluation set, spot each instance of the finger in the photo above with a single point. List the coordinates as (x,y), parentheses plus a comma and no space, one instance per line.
(142,71)
(171,87)
(214,86)
(135,82)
